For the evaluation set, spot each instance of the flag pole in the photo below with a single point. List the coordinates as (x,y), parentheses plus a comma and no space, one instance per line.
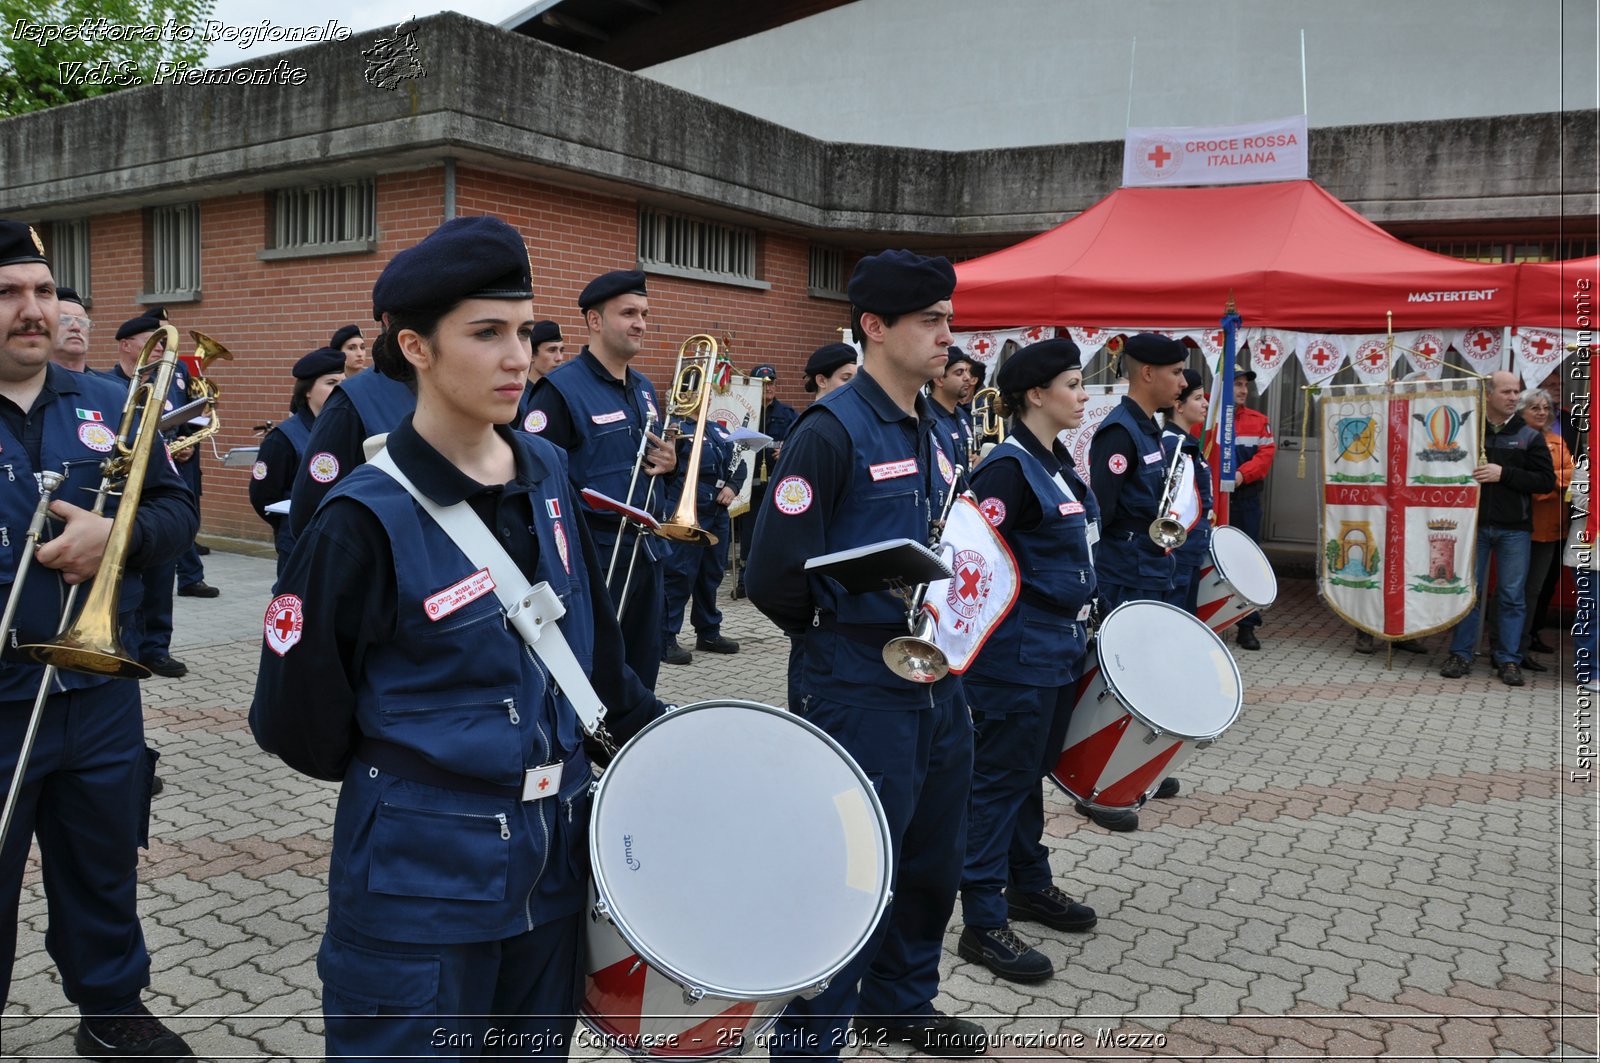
(1225,437)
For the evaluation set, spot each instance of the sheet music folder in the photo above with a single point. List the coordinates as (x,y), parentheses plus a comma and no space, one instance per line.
(881,566)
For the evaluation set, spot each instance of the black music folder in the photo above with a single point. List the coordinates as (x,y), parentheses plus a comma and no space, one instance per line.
(881,566)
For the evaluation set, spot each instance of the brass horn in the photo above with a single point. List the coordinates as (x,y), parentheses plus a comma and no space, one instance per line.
(1166,531)
(916,656)
(691,399)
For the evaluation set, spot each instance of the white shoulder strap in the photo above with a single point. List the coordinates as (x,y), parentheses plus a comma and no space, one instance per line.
(533,611)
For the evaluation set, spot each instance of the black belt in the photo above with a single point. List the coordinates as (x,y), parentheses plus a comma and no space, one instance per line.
(1046,605)
(876,636)
(408,764)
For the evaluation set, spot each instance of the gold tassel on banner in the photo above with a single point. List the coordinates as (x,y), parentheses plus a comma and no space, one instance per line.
(1305,428)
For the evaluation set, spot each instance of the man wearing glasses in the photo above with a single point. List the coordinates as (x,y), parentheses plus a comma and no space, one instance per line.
(71,350)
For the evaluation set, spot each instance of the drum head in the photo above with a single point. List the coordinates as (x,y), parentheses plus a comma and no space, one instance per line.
(1169,669)
(1241,562)
(740,850)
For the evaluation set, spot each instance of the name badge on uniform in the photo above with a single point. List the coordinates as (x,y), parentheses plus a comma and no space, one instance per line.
(890,470)
(1092,535)
(1152,458)
(609,418)
(450,599)
(1067,509)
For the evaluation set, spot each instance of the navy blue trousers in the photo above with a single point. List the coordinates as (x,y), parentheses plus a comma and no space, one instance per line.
(86,796)
(641,620)
(1018,732)
(150,635)
(394,1000)
(691,576)
(920,762)
(189,570)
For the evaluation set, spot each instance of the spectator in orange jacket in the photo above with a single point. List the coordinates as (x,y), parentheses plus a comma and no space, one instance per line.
(1549,522)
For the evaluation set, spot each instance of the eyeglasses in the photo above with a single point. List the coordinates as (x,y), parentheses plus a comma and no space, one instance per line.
(73,320)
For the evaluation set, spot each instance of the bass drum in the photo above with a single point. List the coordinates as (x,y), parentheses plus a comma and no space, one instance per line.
(1137,719)
(741,858)
(1236,580)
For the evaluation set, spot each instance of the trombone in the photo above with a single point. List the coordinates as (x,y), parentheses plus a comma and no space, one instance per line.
(986,419)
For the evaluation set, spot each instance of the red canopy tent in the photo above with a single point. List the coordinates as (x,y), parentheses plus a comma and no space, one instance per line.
(1293,257)
(1559,294)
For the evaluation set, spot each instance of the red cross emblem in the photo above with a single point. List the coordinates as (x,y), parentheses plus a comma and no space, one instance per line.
(544,783)
(1269,351)
(1321,355)
(1542,345)
(1482,340)
(970,578)
(1218,338)
(285,624)
(285,620)
(1426,349)
(1159,156)
(981,346)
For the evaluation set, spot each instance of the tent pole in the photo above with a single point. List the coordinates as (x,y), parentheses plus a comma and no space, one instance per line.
(1305,104)
(1133,48)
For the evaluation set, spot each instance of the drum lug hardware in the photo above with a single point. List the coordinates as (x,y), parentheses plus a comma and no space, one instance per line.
(602,910)
(1207,744)
(637,963)
(1152,736)
(693,995)
(816,990)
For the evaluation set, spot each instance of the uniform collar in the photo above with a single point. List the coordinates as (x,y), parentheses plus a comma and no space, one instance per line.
(588,360)
(873,394)
(62,381)
(442,482)
(1140,418)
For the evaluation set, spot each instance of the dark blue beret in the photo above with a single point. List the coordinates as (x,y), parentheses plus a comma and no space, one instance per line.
(320,362)
(545,332)
(1154,349)
(1036,365)
(135,325)
(957,356)
(157,312)
(344,336)
(1191,384)
(609,285)
(765,372)
(465,258)
(826,359)
(19,243)
(898,282)
(68,295)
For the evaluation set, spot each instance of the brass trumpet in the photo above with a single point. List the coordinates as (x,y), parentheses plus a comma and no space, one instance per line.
(986,419)
(1166,531)
(916,656)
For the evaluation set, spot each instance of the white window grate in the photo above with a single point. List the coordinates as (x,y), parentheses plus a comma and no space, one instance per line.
(825,271)
(175,249)
(694,244)
(325,214)
(69,255)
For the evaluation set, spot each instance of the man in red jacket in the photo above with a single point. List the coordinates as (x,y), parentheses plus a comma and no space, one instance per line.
(1253,449)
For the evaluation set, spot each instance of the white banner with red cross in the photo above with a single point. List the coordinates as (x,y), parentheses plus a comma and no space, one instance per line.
(1399,513)
(970,605)
(1274,150)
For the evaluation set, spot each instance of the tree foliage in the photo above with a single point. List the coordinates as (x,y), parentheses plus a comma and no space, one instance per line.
(113,44)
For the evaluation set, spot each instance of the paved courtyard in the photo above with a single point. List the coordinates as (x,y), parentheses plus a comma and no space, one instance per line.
(1372,863)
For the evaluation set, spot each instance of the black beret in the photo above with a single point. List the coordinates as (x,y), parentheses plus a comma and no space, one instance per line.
(826,360)
(344,336)
(1036,365)
(1154,349)
(157,312)
(609,285)
(68,295)
(465,258)
(320,362)
(545,332)
(765,372)
(898,282)
(957,356)
(1191,384)
(135,325)
(19,243)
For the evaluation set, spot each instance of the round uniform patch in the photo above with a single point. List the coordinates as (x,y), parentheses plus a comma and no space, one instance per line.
(973,578)
(792,495)
(1118,464)
(97,436)
(561,546)
(946,470)
(324,467)
(284,621)
(994,511)
(258,471)
(535,421)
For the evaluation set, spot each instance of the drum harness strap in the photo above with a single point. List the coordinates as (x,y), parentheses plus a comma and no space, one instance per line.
(532,611)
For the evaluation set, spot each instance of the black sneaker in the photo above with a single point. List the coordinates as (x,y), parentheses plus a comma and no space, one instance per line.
(1247,639)
(1411,646)
(170,667)
(936,1033)
(1117,821)
(1510,674)
(133,1034)
(1532,664)
(198,589)
(716,644)
(1169,787)
(672,653)
(156,785)
(1004,953)
(1456,666)
(1052,907)
(738,591)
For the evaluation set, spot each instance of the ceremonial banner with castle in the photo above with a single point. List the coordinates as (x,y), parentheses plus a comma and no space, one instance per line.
(1399,505)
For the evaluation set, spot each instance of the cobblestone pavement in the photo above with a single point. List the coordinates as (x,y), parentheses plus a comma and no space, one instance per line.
(1373,862)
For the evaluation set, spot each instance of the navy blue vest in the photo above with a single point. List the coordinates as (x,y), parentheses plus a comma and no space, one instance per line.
(75,443)
(895,491)
(381,401)
(955,429)
(1040,642)
(716,463)
(297,430)
(609,419)
(463,691)
(1127,556)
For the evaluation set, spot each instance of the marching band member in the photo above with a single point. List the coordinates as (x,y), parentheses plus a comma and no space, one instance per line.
(272,476)
(1187,415)
(864,464)
(1127,475)
(692,572)
(595,407)
(830,366)
(86,791)
(777,417)
(549,351)
(950,392)
(456,881)
(1022,685)
(353,345)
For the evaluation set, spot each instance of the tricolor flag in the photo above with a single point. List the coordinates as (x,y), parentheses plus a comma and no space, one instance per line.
(552,506)
(722,374)
(89,415)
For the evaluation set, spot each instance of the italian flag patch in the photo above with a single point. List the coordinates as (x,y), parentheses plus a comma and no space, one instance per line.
(89,415)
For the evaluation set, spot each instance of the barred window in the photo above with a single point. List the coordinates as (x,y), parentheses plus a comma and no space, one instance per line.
(69,255)
(1497,251)
(175,250)
(681,242)
(325,215)
(825,273)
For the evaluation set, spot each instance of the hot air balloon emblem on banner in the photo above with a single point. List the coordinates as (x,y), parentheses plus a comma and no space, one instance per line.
(1399,512)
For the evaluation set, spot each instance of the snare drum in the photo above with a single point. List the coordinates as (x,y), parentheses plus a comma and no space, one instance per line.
(1236,580)
(1162,687)
(741,859)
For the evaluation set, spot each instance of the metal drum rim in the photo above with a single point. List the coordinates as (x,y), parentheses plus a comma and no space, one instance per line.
(617,1042)
(648,956)
(1111,682)
(1222,572)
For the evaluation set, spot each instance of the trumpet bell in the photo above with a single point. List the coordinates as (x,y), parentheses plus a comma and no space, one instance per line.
(685,533)
(915,657)
(1167,533)
(87,648)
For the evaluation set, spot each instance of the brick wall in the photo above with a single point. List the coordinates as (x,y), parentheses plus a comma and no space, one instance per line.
(270,313)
